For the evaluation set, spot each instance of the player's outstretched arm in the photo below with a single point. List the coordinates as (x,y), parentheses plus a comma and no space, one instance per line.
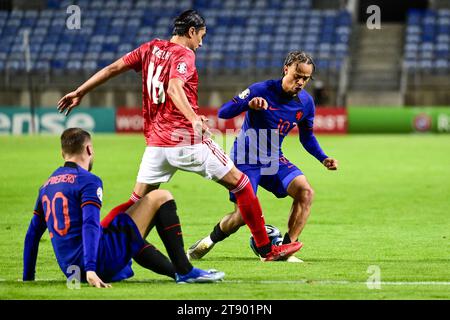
(247,99)
(73,99)
(235,107)
(91,237)
(35,231)
(91,232)
(309,142)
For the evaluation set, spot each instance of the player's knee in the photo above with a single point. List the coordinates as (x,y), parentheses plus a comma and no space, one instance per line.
(159,197)
(232,178)
(308,195)
(305,196)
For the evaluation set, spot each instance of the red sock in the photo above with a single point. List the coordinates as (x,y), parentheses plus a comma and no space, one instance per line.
(251,211)
(119,209)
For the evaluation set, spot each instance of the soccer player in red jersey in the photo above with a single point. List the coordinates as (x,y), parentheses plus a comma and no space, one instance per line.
(176,136)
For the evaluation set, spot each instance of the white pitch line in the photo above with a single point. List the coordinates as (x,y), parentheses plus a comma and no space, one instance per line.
(49,280)
(414,283)
(319,282)
(340,282)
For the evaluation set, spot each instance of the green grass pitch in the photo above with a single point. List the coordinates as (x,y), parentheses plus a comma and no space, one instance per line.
(387,206)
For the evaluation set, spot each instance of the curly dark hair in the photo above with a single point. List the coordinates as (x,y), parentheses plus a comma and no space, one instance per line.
(299,57)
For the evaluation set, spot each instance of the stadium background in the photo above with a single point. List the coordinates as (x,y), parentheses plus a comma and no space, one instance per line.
(373,81)
(403,66)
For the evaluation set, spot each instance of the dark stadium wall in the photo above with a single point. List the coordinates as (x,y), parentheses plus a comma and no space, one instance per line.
(6,5)
(391,11)
(29,5)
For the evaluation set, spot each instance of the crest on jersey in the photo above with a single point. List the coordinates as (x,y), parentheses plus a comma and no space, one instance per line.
(244,94)
(182,68)
(100,194)
(299,115)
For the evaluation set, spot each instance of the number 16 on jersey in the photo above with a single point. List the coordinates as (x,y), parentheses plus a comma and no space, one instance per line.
(153,84)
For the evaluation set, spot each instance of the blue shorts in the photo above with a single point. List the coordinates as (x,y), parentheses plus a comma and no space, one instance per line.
(277,183)
(119,243)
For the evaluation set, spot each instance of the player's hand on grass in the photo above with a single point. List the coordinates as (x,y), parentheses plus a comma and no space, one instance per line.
(93,280)
(258,104)
(69,101)
(200,127)
(330,163)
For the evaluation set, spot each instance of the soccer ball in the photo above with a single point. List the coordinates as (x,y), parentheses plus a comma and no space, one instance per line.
(274,237)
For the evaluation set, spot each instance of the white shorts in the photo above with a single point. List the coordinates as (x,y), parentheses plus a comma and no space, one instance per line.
(207,159)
